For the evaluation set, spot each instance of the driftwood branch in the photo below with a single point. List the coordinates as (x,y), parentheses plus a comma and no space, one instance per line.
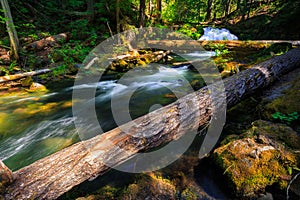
(14,77)
(54,175)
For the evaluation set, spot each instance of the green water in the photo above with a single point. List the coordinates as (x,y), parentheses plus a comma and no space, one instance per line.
(34,125)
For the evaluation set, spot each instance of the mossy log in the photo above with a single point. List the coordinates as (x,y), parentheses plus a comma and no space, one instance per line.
(14,77)
(123,63)
(52,176)
(46,42)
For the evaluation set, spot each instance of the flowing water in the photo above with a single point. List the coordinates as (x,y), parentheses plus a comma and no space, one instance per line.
(34,125)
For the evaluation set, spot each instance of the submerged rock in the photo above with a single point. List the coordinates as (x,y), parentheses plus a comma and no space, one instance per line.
(264,157)
(37,87)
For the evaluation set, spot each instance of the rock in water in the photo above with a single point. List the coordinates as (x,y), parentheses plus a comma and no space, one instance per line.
(6,177)
(37,87)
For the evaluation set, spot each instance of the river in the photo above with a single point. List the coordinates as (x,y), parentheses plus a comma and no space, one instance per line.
(34,125)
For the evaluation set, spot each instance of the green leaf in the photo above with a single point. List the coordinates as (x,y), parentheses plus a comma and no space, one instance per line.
(290,170)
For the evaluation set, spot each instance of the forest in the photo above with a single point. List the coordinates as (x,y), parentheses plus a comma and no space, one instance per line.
(150,99)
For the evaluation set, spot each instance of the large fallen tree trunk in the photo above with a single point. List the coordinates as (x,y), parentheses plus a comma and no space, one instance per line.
(54,175)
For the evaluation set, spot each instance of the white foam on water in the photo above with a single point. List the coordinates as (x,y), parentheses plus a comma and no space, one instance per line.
(217,34)
(43,130)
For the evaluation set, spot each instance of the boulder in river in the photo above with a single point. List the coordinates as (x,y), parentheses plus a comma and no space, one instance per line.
(37,87)
(265,156)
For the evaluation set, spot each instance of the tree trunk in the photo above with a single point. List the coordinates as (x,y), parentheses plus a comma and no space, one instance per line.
(227,8)
(54,175)
(118,16)
(13,37)
(150,8)
(142,16)
(243,9)
(158,10)
(249,6)
(91,10)
(208,10)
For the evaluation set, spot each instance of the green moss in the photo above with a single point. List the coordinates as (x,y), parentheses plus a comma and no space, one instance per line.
(188,194)
(278,132)
(258,160)
(286,104)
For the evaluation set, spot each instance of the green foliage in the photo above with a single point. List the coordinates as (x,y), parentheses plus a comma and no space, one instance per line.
(221,51)
(286,118)
(59,70)
(70,54)
(218,48)
(2,20)
(4,70)
(190,31)
(184,11)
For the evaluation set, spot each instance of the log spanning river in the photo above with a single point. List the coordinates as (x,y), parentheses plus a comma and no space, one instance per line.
(34,125)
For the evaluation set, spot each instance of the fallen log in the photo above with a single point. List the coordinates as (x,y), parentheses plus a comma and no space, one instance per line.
(193,44)
(14,77)
(46,42)
(56,174)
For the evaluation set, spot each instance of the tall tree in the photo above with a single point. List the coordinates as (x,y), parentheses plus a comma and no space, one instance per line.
(91,10)
(13,37)
(208,10)
(118,16)
(142,14)
(158,9)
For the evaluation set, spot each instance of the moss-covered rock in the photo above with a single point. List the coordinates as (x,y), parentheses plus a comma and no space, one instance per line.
(27,81)
(287,103)
(151,187)
(147,186)
(262,158)
(37,87)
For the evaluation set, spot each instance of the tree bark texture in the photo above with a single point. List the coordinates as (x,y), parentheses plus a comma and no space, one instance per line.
(208,10)
(13,37)
(54,175)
